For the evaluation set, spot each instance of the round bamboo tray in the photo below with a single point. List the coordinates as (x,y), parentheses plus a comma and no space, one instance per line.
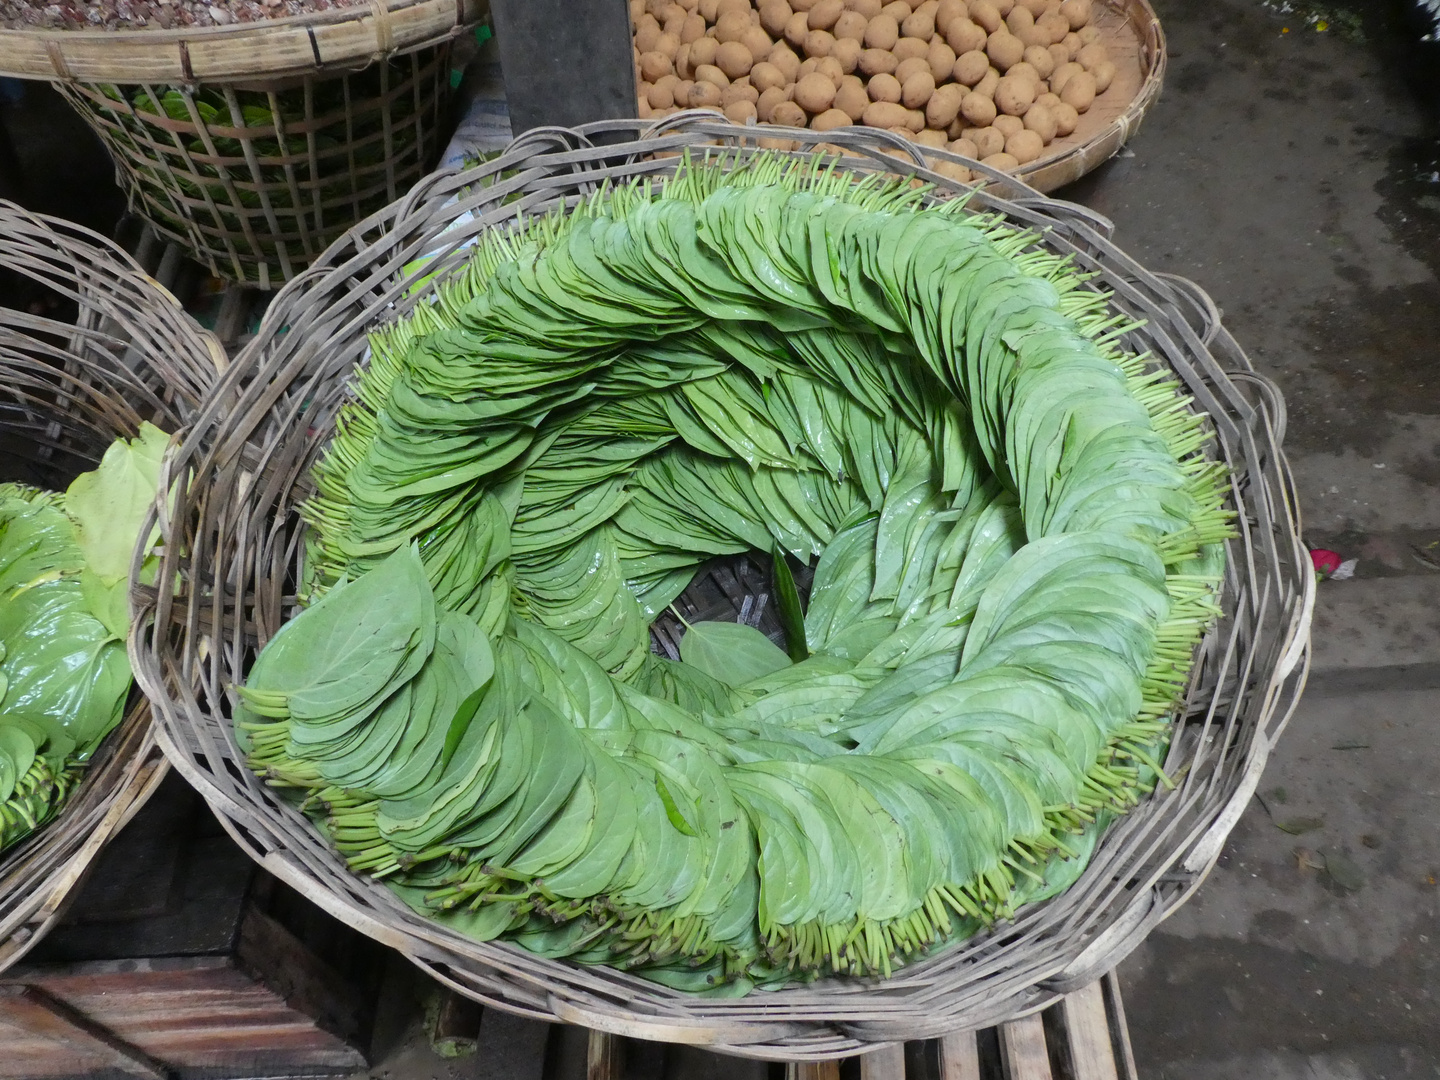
(340,38)
(256,179)
(67,390)
(247,466)
(1137,48)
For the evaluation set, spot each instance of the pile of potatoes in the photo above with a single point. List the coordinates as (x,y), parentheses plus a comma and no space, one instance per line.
(994,80)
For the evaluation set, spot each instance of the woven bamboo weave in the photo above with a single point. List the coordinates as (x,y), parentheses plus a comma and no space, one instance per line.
(234,545)
(257,180)
(341,38)
(67,390)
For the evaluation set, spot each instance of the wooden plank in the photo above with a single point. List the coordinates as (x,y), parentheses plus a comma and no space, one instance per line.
(35,1011)
(1022,1049)
(812,1070)
(886,1063)
(605,1057)
(1119,1029)
(1088,1033)
(959,1057)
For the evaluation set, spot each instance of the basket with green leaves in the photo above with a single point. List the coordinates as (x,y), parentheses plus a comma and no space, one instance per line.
(453,573)
(98,365)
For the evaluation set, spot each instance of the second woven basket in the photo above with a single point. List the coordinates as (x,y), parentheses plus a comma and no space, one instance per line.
(236,546)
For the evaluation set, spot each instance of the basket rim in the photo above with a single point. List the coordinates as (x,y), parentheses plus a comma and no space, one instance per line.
(43,873)
(306,44)
(1147,864)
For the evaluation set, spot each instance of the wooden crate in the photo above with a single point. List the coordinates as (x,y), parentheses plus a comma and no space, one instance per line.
(182,959)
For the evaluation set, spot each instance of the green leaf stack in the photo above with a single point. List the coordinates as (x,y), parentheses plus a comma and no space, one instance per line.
(1016,537)
(64,579)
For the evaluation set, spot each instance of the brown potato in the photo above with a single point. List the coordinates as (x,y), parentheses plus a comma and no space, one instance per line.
(1062,75)
(906,68)
(1104,73)
(1048,99)
(899,10)
(802,5)
(1054,26)
(831,119)
(846,53)
(1039,119)
(1072,44)
(908,47)
(987,83)
(646,33)
(819,43)
(882,32)
(704,95)
(765,105)
(851,99)
(710,9)
(682,93)
(1003,6)
(1019,20)
(674,21)
(850,26)
(815,93)
(1066,119)
(1008,125)
(765,75)
(1092,54)
(806,67)
(637,9)
(702,51)
(920,24)
(928,137)
(709,73)
(1076,12)
(784,58)
(730,26)
(824,14)
(739,112)
(946,10)
(978,109)
(953,170)
(1088,34)
(1004,49)
(1040,60)
(944,106)
(963,36)
(655,64)
(830,68)
(985,14)
(957,128)
(1025,146)
(757,41)
(915,119)
(1059,54)
(667,43)
(965,147)
(916,91)
(684,66)
(797,28)
(876,61)
(885,114)
(970,67)
(987,141)
(693,27)
(643,109)
(1023,70)
(734,59)
(1014,95)
(789,114)
(885,88)
(1079,91)
(774,14)
(662,94)
(1002,161)
(941,59)
(868,8)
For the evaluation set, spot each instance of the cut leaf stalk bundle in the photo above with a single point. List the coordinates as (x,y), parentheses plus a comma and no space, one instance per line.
(1016,533)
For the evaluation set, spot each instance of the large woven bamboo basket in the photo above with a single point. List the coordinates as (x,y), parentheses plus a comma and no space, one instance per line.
(245,468)
(67,390)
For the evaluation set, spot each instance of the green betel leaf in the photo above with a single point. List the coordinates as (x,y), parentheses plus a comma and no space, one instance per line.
(109,504)
(733,653)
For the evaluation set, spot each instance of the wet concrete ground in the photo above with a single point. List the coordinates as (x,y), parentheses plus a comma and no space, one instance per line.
(1294,176)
